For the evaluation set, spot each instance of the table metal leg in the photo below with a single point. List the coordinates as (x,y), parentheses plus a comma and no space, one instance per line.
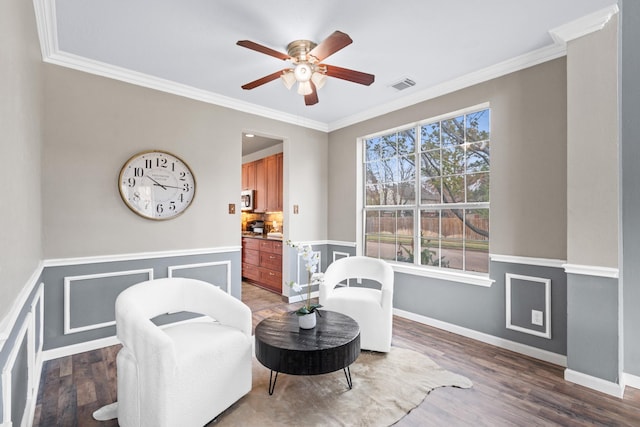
(347,374)
(272,386)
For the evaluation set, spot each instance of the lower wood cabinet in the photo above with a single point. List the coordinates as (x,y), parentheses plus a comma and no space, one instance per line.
(262,263)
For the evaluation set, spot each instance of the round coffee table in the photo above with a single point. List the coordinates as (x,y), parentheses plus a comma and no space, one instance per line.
(282,346)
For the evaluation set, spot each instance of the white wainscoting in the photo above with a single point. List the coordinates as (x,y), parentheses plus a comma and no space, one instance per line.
(34,362)
(9,321)
(71,281)
(226,264)
(547,356)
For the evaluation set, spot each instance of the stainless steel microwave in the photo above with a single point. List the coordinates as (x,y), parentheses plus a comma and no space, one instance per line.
(246,200)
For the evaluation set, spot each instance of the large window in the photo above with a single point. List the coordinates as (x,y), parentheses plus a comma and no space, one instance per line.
(427,193)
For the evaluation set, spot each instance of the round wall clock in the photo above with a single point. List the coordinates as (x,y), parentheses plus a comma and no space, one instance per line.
(157,185)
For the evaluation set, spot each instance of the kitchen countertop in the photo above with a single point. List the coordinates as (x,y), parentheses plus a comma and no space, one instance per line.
(260,236)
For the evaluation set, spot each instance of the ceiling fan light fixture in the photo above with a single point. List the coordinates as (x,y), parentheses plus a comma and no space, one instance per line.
(307,66)
(303,72)
(318,79)
(288,79)
(304,88)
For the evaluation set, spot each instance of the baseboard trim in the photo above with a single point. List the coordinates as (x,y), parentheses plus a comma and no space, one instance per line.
(631,380)
(69,350)
(547,356)
(594,383)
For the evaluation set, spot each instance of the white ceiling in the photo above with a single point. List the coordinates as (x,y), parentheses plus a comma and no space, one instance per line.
(193,43)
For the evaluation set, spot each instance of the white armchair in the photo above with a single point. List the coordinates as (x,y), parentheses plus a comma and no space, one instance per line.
(371,308)
(184,374)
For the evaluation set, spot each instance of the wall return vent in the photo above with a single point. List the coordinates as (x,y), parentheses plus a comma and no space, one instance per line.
(403,84)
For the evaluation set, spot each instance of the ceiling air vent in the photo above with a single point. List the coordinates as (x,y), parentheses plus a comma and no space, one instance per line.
(403,84)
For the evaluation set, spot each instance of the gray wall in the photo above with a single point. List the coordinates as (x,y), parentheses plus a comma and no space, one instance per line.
(528,159)
(630,158)
(20,149)
(592,168)
(592,200)
(94,124)
(528,202)
(592,326)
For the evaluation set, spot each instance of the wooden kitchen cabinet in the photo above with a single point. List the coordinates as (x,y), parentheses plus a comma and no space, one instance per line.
(265,176)
(262,262)
(271,169)
(260,195)
(280,181)
(249,176)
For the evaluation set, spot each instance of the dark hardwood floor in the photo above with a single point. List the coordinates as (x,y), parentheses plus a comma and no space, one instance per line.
(509,389)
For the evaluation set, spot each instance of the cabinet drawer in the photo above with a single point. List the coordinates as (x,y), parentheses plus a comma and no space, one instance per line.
(274,246)
(248,243)
(250,272)
(271,260)
(273,279)
(251,256)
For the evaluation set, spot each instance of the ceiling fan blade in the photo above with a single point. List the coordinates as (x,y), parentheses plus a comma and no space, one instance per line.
(350,75)
(266,79)
(330,45)
(263,49)
(312,98)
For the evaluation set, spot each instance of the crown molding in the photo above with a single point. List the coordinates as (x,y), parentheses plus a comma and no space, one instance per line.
(47,32)
(506,67)
(140,79)
(583,26)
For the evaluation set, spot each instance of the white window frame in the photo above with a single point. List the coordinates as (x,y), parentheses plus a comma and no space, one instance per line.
(472,278)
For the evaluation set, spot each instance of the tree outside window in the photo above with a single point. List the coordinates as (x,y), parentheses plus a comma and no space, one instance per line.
(437,208)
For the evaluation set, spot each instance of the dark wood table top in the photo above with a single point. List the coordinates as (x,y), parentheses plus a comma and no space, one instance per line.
(282,346)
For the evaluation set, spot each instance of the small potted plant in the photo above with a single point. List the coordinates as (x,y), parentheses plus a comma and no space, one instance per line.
(307,313)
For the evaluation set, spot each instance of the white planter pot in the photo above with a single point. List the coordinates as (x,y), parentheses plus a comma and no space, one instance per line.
(307,321)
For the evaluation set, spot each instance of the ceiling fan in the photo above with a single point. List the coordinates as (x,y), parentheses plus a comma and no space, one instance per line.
(307,67)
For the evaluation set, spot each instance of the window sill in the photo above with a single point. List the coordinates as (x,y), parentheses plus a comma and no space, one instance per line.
(477,279)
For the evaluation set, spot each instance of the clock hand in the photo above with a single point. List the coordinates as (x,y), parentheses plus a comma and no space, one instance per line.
(156,182)
(166,186)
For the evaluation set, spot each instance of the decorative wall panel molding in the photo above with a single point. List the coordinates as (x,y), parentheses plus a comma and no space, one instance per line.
(336,256)
(75,284)
(172,270)
(8,372)
(513,280)
(30,333)
(10,320)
